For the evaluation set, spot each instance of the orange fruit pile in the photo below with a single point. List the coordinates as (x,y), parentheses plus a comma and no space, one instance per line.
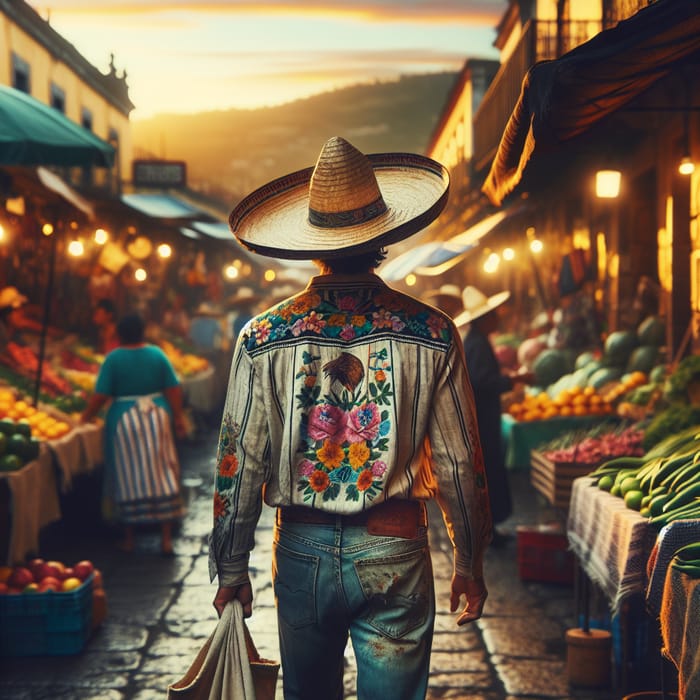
(576,401)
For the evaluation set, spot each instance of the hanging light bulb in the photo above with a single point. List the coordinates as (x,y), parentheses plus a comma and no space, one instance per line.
(101,236)
(164,250)
(47,229)
(508,254)
(140,275)
(76,248)
(686,166)
(270,275)
(230,272)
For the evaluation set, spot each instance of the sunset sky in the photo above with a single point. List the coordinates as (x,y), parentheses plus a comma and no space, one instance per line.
(194,56)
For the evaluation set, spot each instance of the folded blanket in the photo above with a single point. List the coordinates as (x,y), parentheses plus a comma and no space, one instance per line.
(671,538)
(680,630)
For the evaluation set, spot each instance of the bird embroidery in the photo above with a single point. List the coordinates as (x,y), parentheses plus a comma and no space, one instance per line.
(346,369)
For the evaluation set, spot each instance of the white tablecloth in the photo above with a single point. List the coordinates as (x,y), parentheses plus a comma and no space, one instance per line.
(611,542)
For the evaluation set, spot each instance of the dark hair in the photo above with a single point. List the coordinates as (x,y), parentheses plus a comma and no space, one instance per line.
(107,305)
(130,329)
(354,264)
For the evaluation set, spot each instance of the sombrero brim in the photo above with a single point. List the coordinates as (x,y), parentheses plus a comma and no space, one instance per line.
(274,219)
(491,303)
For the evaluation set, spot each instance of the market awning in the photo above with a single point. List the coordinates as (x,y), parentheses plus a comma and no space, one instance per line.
(407,262)
(32,133)
(563,98)
(454,249)
(163,206)
(45,186)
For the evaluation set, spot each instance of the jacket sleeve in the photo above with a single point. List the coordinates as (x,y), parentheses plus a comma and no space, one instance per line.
(242,467)
(456,460)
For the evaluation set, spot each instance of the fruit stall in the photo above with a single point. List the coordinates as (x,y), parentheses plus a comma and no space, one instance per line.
(44,447)
(633,525)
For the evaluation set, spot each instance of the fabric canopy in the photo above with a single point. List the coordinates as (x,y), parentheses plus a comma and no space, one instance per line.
(32,133)
(563,98)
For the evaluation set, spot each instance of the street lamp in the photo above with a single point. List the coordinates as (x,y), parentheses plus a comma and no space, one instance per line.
(607,183)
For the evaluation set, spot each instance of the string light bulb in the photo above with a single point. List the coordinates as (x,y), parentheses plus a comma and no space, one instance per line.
(76,248)
(686,166)
(101,236)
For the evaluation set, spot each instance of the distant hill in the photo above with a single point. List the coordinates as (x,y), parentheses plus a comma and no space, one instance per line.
(228,153)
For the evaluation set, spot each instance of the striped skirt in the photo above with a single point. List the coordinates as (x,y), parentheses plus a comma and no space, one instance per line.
(147,470)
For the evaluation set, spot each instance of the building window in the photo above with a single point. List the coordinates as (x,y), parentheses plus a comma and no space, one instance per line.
(86,119)
(58,98)
(20,74)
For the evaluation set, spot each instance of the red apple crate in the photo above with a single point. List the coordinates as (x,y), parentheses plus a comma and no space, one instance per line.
(51,623)
(544,555)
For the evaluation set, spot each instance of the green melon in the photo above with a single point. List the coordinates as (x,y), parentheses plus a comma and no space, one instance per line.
(549,366)
(604,376)
(10,463)
(618,348)
(583,359)
(643,359)
(18,444)
(651,331)
(591,367)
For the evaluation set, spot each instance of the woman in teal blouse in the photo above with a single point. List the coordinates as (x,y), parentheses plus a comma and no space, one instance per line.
(142,471)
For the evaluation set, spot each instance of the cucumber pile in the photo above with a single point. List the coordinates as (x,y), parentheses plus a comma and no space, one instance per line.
(663,484)
(687,560)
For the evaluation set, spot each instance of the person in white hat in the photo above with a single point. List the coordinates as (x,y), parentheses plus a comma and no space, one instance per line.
(348,407)
(481,316)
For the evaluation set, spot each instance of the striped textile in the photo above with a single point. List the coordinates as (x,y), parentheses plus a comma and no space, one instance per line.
(147,487)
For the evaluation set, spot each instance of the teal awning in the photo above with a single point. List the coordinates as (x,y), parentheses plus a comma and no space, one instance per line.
(32,133)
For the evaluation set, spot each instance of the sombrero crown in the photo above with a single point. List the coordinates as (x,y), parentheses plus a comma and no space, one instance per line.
(349,203)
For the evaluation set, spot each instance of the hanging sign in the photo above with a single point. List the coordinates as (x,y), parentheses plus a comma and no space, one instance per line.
(159,173)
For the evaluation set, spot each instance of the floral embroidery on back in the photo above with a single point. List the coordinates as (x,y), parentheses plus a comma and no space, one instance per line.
(344,430)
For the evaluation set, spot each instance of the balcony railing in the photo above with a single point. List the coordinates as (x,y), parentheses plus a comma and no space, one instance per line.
(541,40)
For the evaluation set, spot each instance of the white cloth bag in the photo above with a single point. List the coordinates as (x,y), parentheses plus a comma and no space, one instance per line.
(221,670)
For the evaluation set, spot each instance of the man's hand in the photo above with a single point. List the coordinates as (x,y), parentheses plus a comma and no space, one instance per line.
(244,593)
(474,590)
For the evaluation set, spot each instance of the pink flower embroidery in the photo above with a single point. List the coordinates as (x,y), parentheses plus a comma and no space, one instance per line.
(261,331)
(436,325)
(306,467)
(348,333)
(313,322)
(378,468)
(362,423)
(326,422)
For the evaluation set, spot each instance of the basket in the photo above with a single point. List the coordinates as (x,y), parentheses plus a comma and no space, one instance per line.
(46,624)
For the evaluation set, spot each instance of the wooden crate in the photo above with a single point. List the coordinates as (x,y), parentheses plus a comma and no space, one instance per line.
(554,479)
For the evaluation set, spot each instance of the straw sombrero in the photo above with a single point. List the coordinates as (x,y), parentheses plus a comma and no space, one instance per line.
(476,304)
(349,203)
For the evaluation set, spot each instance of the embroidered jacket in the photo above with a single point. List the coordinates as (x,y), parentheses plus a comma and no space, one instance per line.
(345,395)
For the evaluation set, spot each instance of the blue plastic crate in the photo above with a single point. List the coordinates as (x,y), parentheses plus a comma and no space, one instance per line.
(46,624)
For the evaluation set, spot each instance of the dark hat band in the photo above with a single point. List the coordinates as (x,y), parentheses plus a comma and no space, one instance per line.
(351,217)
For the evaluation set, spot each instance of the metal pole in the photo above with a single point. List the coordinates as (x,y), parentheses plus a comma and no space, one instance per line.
(47,313)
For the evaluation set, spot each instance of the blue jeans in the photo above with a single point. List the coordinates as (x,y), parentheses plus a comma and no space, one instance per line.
(331,581)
